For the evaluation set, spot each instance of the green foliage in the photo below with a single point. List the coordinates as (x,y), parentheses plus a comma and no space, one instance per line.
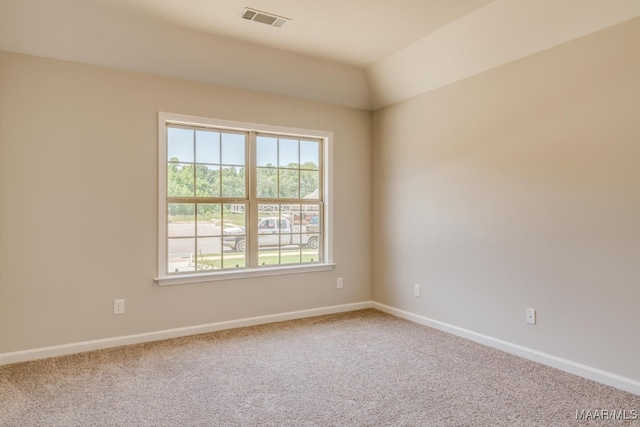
(289,183)
(209,181)
(233,182)
(184,212)
(199,180)
(309,182)
(179,180)
(291,180)
(267,183)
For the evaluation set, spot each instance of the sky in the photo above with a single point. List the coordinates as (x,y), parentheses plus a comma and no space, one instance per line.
(228,148)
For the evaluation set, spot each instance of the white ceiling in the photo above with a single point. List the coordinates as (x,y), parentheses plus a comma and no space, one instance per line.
(363,54)
(356,32)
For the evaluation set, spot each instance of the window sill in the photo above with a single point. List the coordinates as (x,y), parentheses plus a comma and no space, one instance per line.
(242,274)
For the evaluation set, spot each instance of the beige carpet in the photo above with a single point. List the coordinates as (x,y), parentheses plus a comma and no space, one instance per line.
(363,368)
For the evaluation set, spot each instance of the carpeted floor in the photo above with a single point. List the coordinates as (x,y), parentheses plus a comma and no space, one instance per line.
(363,368)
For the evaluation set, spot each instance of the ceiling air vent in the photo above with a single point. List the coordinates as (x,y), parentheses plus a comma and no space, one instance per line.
(264,17)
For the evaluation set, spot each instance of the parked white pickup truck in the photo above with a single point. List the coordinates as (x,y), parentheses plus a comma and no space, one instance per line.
(273,231)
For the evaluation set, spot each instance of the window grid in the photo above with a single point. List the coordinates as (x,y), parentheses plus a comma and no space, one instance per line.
(299,241)
(194,242)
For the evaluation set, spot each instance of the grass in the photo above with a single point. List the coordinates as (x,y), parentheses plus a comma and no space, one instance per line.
(234,218)
(231,260)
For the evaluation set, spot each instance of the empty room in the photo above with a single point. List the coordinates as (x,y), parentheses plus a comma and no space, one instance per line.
(319,213)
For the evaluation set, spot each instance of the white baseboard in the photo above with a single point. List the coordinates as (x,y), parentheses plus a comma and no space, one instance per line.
(584,371)
(614,380)
(61,350)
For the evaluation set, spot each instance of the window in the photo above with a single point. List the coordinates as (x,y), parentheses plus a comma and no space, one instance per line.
(239,200)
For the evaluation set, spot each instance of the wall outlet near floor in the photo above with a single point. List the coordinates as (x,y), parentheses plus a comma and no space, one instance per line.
(530,316)
(339,283)
(416,290)
(118,306)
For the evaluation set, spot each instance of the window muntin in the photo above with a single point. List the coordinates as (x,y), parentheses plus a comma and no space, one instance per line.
(288,168)
(210,198)
(205,168)
(289,233)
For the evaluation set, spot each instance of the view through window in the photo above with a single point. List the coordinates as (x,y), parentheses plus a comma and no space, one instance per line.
(240,199)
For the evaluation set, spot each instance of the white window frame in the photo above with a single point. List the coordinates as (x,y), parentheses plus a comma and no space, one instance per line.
(163,278)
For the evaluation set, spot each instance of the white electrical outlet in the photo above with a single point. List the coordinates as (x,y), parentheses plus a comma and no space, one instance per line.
(118,306)
(339,283)
(530,314)
(416,290)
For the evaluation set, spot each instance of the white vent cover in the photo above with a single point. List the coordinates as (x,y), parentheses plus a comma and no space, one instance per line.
(264,17)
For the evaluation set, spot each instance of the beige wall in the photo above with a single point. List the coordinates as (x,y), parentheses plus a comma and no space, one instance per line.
(520,187)
(96,32)
(514,188)
(78,197)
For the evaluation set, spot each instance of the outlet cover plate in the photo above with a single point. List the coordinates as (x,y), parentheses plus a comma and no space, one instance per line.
(118,306)
(530,316)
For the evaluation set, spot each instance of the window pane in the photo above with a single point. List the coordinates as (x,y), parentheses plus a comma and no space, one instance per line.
(309,184)
(311,218)
(207,181)
(179,180)
(207,147)
(268,250)
(266,210)
(288,153)
(233,182)
(266,151)
(234,260)
(289,184)
(209,219)
(267,183)
(289,254)
(234,215)
(181,255)
(290,227)
(179,145)
(233,149)
(311,249)
(268,234)
(311,233)
(290,214)
(209,253)
(309,154)
(234,227)
(283,234)
(235,242)
(269,231)
(182,220)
